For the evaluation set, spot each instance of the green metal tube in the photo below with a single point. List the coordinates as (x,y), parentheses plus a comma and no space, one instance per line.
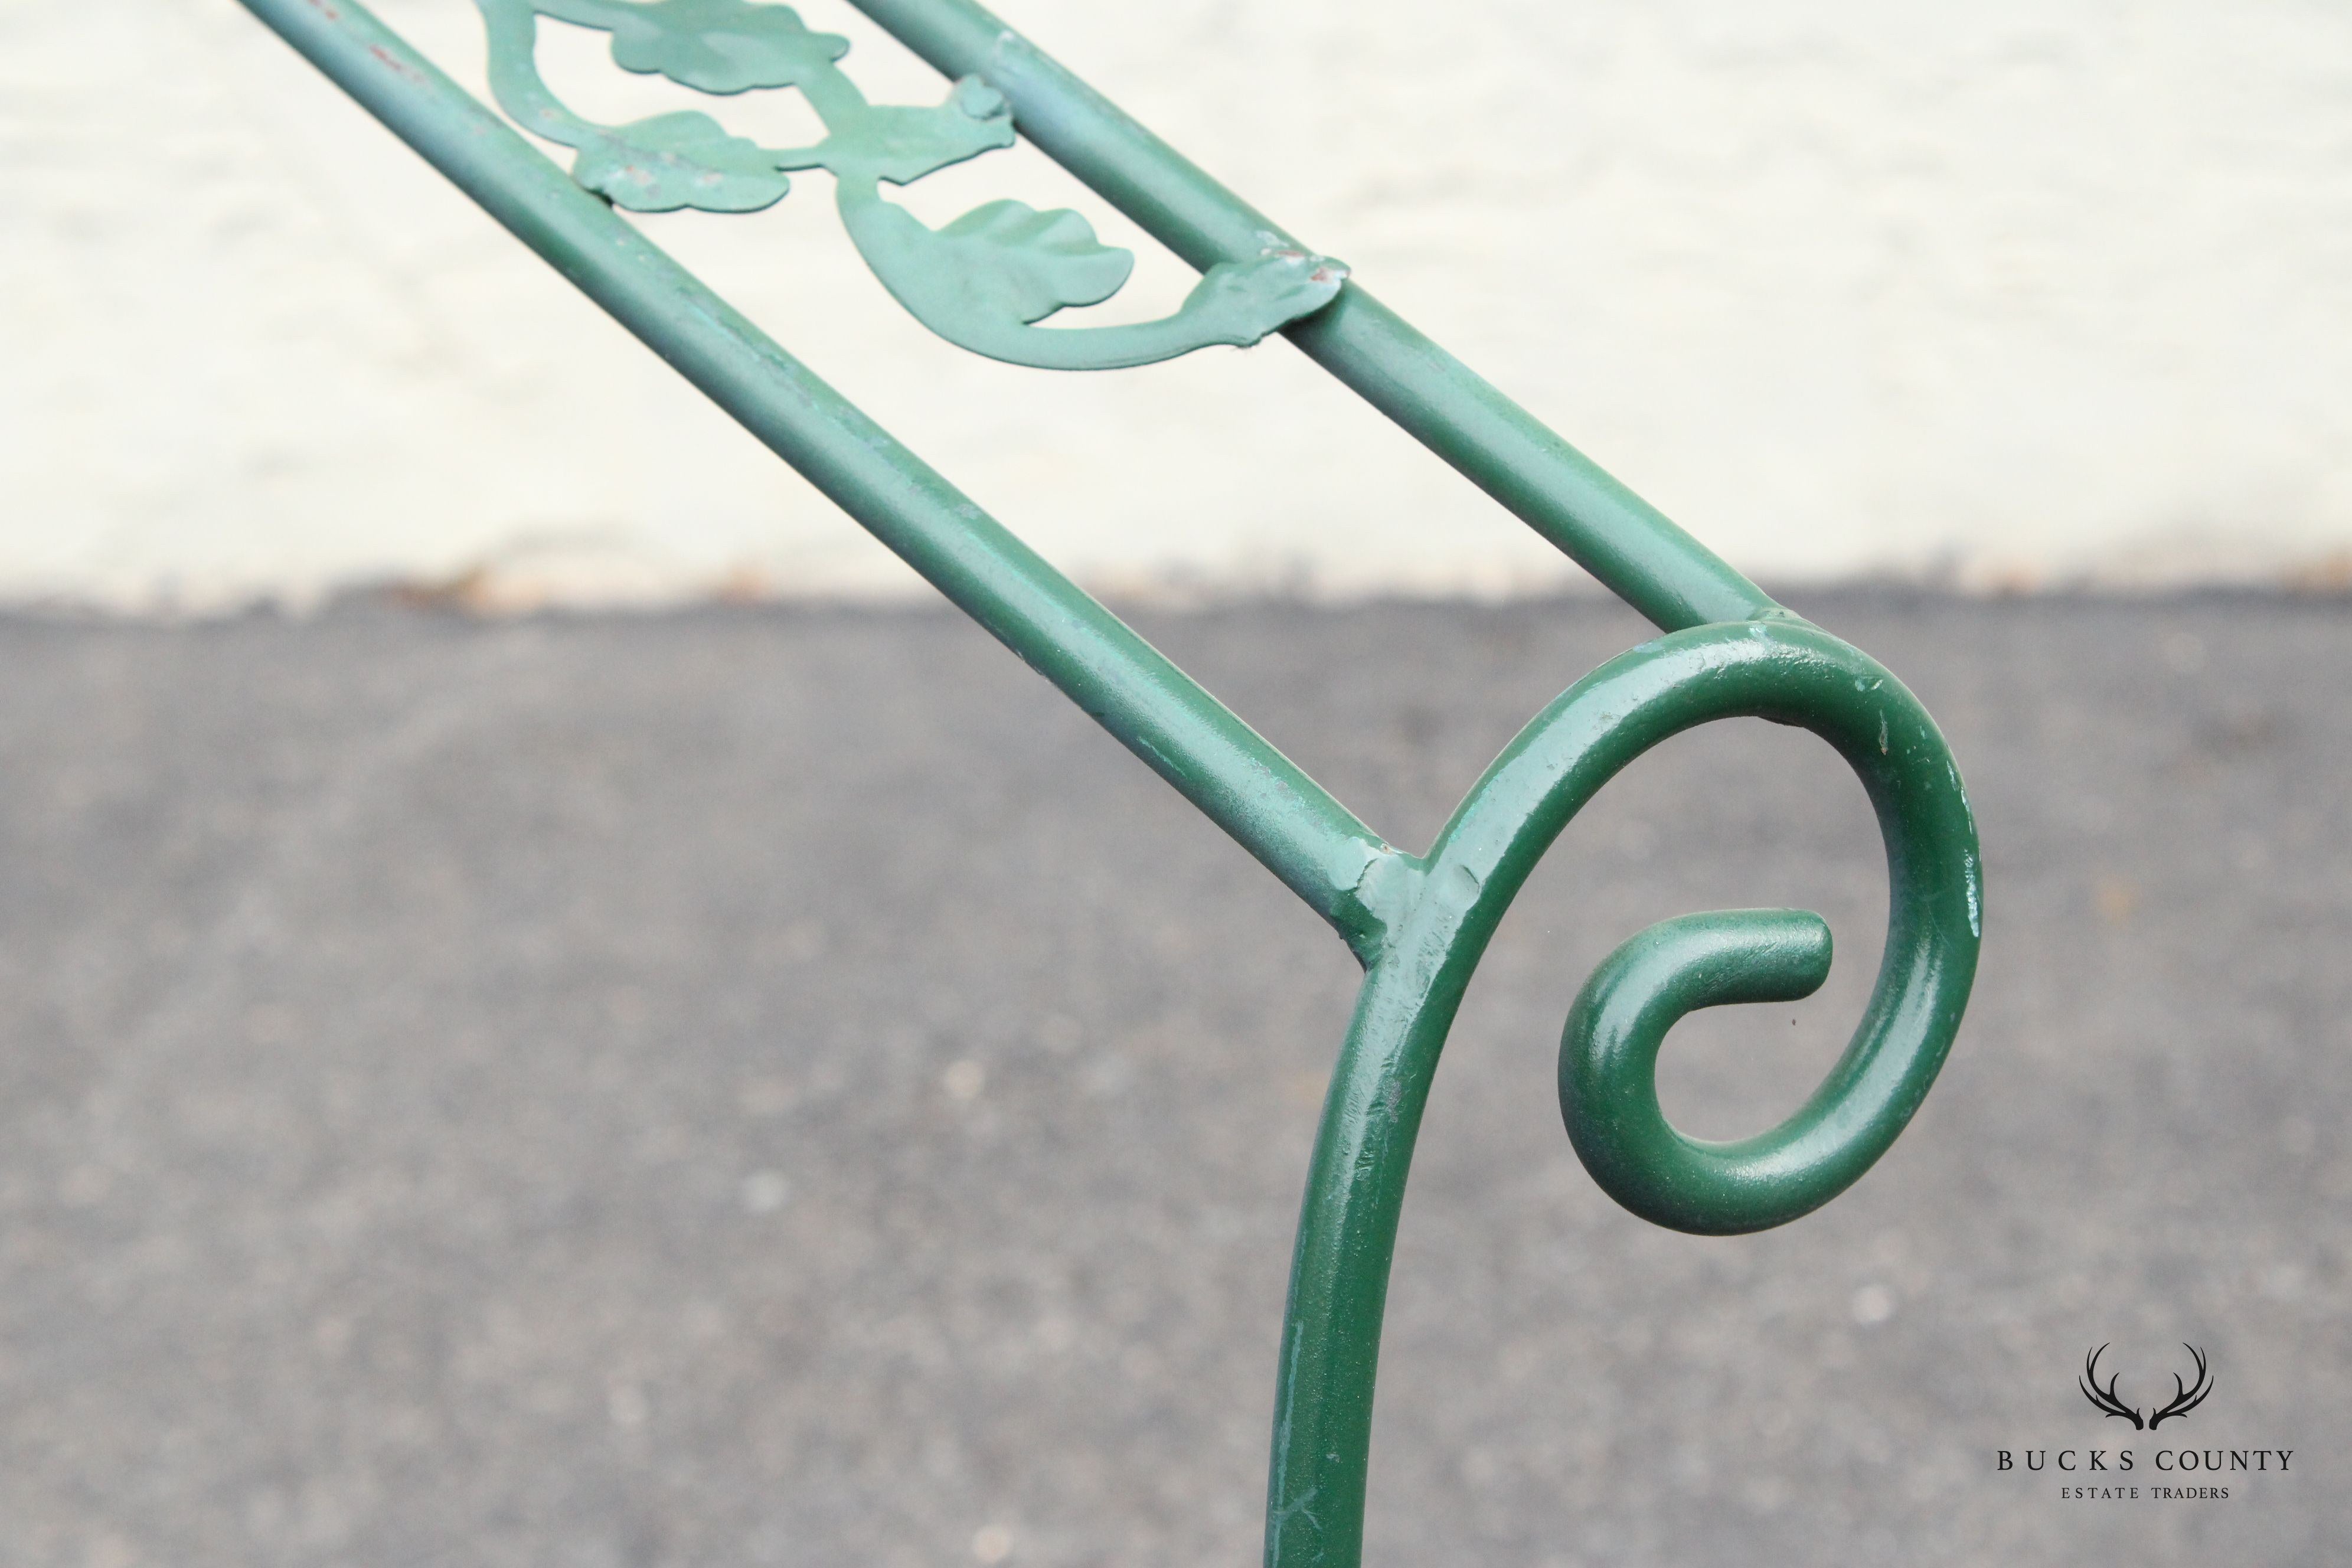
(1250,790)
(1631,546)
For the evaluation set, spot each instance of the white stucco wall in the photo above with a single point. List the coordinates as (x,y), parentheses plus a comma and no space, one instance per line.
(2012,291)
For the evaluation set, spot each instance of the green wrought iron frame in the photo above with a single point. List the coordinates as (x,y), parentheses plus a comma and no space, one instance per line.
(1418,923)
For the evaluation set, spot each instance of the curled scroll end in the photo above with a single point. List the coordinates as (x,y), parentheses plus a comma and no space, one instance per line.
(1609,1060)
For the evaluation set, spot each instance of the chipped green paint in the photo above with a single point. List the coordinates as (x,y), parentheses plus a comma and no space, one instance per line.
(1418,923)
(982,281)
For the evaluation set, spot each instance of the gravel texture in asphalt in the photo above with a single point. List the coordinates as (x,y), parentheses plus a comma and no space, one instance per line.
(781,1086)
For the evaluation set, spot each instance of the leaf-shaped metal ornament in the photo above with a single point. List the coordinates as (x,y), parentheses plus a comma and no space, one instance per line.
(1015,260)
(681,159)
(985,279)
(714,46)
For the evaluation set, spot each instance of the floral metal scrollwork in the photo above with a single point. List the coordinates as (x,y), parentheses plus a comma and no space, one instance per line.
(982,281)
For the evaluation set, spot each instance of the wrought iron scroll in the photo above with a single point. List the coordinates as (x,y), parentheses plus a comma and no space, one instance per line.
(1419,924)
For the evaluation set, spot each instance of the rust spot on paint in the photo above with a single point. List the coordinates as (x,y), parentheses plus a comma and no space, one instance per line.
(398,66)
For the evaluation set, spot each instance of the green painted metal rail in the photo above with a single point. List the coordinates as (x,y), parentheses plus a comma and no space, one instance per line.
(1419,924)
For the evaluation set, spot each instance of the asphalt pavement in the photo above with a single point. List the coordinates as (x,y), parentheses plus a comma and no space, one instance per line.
(780,1086)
